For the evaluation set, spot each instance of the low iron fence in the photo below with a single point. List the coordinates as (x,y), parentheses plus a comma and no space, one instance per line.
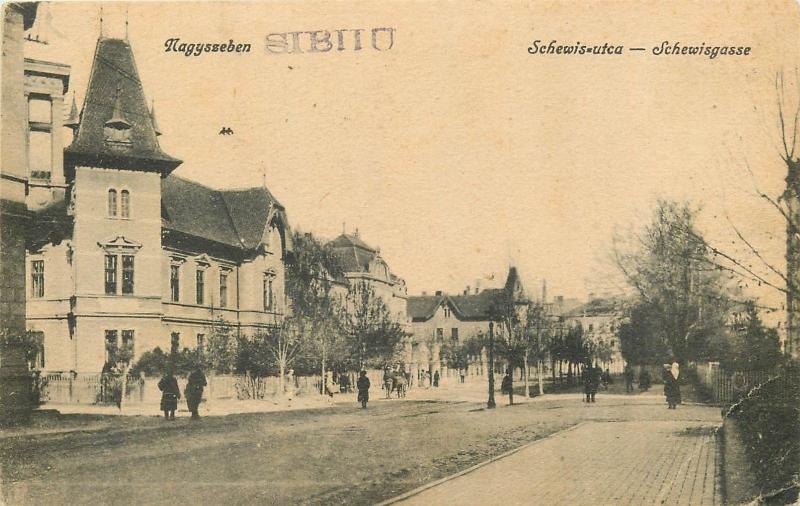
(729,387)
(100,388)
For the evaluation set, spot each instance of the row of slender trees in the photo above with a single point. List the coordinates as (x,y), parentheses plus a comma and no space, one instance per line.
(332,324)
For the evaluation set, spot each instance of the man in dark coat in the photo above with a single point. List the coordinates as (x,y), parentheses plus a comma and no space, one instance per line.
(170,393)
(591,381)
(436,379)
(363,389)
(194,391)
(507,386)
(628,378)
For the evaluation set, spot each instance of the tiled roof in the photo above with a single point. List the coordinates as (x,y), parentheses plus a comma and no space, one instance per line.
(235,218)
(423,307)
(114,81)
(354,253)
(599,306)
(465,307)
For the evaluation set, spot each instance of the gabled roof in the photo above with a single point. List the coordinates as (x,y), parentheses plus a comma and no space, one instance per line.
(235,218)
(423,307)
(114,81)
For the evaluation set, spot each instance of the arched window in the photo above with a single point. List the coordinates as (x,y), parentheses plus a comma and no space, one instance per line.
(125,204)
(112,203)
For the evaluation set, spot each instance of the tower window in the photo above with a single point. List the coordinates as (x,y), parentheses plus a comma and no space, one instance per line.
(125,204)
(175,283)
(37,278)
(200,286)
(223,289)
(111,274)
(267,293)
(127,274)
(112,203)
(40,137)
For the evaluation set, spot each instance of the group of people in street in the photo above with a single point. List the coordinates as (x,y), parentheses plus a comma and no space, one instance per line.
(171,393)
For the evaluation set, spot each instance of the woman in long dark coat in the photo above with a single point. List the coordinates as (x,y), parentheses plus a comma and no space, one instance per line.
(194,391)
(363,389)
(170,393)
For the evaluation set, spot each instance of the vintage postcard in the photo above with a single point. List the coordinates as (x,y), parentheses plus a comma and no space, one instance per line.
(420,252)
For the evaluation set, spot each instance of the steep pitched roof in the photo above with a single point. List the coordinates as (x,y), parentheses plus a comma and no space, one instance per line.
(423,307)
(234,218)
(354,253)
(114,84)
(473,307)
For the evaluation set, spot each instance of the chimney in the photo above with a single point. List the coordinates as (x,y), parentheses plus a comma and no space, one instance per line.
(438,293)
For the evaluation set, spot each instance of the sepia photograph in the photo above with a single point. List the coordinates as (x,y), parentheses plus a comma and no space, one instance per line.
(488,252)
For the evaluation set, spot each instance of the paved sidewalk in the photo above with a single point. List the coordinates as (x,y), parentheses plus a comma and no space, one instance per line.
(597,463)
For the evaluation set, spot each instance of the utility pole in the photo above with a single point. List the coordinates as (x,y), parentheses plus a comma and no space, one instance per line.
(490,404)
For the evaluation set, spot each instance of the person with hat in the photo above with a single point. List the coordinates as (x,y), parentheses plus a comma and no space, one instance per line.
(363,389)
(170,393)
(194,391)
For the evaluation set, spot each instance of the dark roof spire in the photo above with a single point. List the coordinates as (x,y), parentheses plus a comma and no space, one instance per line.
(115,99)
(72,120)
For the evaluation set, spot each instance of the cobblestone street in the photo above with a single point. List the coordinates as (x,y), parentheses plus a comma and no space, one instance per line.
(631,462)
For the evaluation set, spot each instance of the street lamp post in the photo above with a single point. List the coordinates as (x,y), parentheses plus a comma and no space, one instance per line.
(490,404)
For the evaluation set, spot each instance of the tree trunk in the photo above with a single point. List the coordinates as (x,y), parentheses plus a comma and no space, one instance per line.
(541,378)
(527,372)
(281,386)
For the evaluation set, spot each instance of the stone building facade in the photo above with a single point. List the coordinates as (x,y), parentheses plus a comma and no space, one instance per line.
(14,219)
(124,253)
(438,318)
(363,264)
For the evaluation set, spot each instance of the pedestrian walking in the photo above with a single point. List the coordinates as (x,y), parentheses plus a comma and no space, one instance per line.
(388,381)
(644,379)
(462,374)
(672,390)
(436,379)
(194,391)
(363,389)
(170,393)
(507,386)
(591,381)
(628,373)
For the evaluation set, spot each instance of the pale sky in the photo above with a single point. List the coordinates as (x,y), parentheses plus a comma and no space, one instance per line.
(457,152)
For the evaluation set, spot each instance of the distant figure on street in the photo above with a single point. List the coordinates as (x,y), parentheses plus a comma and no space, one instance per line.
(462,373)
(170,393)
(388,382)
(363,389)
(344,383)
(606,378)
(430,377)
(422,376)
(436,379)
(672,390)
(591,382)
(194,391)
(507,386)
(628,373)
(644,379)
